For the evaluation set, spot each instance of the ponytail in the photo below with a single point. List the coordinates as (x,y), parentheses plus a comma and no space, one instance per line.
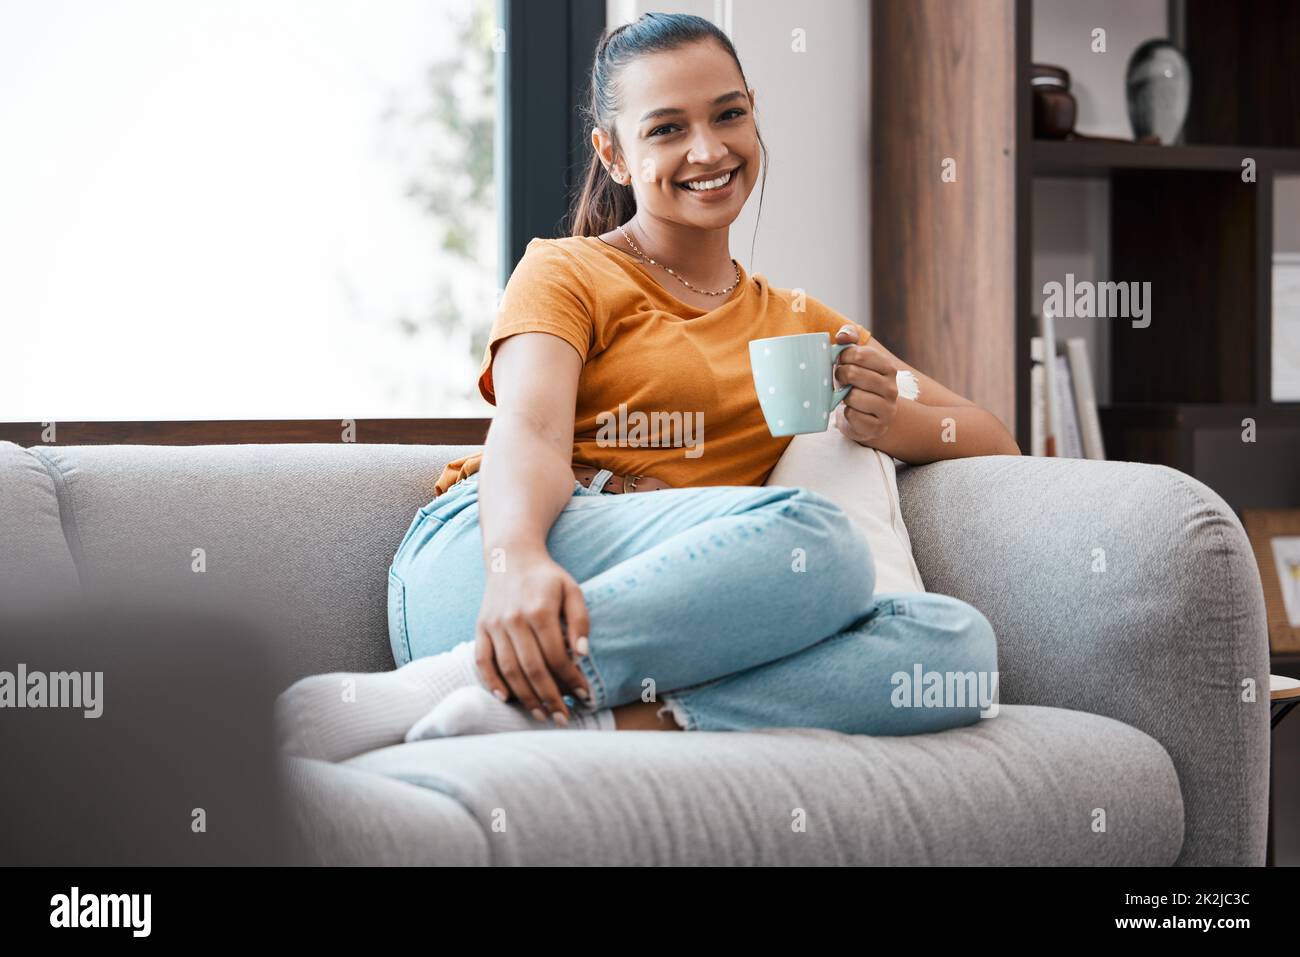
(603,204)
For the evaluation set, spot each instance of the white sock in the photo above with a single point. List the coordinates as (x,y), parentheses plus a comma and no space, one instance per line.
(337,716)
(474,710)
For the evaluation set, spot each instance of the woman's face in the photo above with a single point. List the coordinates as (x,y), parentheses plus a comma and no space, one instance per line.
(685,115)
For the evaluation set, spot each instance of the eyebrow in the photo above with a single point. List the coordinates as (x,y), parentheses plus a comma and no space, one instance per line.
(674,110)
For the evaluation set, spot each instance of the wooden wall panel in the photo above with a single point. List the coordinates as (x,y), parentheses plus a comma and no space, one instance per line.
(1245,85)
(943,254)
(1192,236)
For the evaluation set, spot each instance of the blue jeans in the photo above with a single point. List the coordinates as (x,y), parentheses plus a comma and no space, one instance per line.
(737,607)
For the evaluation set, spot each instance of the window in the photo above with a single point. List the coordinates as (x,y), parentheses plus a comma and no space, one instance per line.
(262,209)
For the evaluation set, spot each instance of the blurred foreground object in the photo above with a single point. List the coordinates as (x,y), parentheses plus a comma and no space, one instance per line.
(135,734)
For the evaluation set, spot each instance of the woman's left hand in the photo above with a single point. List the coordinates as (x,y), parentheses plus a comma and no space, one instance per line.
(868,410)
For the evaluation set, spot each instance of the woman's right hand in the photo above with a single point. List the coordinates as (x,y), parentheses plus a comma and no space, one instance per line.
(520,647)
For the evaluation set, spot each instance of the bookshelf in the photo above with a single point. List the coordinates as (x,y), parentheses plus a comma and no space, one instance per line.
(950,78)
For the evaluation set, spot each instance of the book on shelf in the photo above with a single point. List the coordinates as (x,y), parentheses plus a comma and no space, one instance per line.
(1085,398)
(1068,425)
(1051,402)
(1069,445)
(1037,419)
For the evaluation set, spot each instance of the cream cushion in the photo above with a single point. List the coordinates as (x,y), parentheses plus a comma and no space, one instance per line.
(861,481)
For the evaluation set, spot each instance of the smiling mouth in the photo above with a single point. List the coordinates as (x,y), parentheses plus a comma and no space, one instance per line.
(709,185)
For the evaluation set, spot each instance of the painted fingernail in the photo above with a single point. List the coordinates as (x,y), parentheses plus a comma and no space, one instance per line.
(500,695)
(561,719)
(582,693)
(582,647)
(537,713)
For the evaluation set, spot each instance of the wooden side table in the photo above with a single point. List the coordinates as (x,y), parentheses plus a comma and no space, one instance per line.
(1283,696)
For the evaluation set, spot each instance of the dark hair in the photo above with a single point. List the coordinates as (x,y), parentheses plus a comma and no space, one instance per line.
(603,204)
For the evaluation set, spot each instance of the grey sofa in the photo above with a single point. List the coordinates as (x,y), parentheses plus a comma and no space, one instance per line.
(1124,735)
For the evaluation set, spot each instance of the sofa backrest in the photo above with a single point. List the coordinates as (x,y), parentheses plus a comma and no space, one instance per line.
(35,562)
(307,530)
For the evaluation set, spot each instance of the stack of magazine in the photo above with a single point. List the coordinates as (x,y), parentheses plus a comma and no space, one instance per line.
(1066,426)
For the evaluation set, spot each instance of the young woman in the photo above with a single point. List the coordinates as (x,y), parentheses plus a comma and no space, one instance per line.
(526,590)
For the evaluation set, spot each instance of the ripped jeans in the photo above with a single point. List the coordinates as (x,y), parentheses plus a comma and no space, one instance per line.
(737,607)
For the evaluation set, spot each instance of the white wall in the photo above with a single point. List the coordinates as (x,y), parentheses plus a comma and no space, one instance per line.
(813,112)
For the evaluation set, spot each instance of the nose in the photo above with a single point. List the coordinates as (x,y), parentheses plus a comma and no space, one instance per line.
(706,149)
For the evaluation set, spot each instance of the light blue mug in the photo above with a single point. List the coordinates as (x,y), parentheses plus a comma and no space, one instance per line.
(792,375)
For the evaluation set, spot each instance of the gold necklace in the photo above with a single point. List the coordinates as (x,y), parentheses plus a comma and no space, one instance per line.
(704,292)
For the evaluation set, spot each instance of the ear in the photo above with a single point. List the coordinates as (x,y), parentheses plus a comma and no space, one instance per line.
(603,145)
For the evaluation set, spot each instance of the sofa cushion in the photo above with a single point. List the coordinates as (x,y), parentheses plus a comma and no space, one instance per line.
(862,482)
(1024,787)
(345,817)
(35,560)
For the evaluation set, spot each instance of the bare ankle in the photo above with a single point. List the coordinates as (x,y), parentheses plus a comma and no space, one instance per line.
(644,716)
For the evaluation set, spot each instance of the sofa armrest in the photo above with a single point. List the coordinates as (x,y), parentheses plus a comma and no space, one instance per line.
(1121,589)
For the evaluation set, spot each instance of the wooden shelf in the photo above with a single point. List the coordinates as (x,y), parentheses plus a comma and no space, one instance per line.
(441,431)
(1090,158)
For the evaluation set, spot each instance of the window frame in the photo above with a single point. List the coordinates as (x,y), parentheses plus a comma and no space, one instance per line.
(544,143)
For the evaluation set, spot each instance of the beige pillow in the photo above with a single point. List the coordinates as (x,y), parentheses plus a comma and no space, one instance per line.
(862,482)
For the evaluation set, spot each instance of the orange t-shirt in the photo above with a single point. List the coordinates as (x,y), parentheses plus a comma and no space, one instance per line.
(686,370)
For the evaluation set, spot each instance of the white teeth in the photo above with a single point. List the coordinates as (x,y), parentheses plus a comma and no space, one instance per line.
(718,183)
